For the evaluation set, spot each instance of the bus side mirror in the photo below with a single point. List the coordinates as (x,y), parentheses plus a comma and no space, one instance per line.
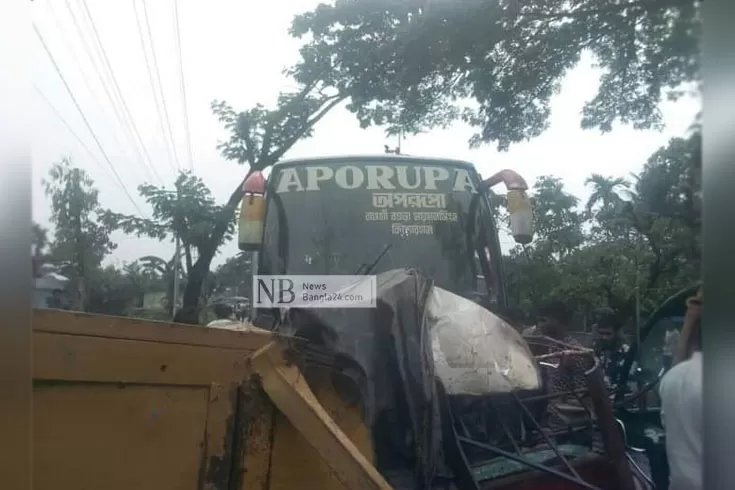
(521,216)
(252,213)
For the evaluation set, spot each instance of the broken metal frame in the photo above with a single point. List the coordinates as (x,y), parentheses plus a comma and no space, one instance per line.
(285,385)
(611,438)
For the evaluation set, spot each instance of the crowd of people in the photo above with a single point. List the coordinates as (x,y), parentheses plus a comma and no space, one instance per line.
(680,389)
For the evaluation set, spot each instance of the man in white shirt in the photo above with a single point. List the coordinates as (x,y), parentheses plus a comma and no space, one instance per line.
(224,315)
(681,407)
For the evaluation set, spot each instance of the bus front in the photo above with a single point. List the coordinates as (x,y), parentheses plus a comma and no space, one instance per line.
(367,215)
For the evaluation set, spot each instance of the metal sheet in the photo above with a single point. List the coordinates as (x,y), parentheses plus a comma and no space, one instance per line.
(475,351)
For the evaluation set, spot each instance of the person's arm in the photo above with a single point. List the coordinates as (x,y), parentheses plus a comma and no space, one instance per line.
(694,310)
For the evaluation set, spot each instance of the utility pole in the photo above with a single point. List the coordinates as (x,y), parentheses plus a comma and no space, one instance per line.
(253,294)
(177,262)
(637,305)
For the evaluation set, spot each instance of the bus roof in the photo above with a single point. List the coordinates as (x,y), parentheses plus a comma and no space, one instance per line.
(379,158)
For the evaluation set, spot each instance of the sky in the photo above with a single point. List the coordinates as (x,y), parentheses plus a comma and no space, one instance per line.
(236,53)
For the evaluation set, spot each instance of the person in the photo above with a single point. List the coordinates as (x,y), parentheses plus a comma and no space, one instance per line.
(224,313)
(681,404)
(566,373)
(553,320)
(610,346)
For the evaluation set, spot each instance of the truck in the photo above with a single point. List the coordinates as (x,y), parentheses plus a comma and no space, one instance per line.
(432,388)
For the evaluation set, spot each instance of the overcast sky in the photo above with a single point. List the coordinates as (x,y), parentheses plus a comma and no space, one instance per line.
(236,53)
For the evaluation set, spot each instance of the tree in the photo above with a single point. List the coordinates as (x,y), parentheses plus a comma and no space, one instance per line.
(665,211)
(163,274)
(557,221)
(39,247)
(644,235)
(421,64)
(39,240)
(534,271)
(114,292)
(234,277)
(611,217)
(259,137)
(81,241)
(187,212)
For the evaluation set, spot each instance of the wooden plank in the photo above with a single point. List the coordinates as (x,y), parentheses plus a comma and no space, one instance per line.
(69,322)
(139,437)
(287,388)
(293,457)
(96,359)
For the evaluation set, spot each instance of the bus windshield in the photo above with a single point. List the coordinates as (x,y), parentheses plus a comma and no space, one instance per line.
(368,216)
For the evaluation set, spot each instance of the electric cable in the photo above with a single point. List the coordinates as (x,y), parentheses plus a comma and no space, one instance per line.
(126,111)
(86,122)
(160,85)
(183,85)
(106,89)
(153,87)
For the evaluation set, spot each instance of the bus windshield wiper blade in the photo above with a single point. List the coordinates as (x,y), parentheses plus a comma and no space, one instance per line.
(370,268)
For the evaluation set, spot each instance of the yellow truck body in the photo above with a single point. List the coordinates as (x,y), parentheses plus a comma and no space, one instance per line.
(123,404)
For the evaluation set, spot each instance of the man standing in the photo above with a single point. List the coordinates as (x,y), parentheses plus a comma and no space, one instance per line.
(610,346)
(681,404)
(565,373)
(553,321)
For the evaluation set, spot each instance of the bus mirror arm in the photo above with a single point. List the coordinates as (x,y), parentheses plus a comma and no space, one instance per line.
(512,180)
(519,206)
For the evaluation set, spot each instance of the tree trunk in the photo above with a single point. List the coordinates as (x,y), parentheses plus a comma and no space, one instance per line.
(189,312)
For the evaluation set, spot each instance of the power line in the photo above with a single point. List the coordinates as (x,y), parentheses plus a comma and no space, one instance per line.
(183,85)
(126,110)
(160,85)
(153,87)
(68,126)
(98,72)
(71,49)
(79,64)
(86,122)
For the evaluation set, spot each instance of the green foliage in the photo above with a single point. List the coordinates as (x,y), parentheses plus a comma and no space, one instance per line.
(640,233)
(495,65)
(39,240)
(39,247)
(81,241)
(259,137)
(644,234)
(114,291)
(188,211)
(234,277)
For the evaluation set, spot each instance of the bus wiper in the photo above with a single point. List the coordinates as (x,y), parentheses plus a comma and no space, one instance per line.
(370,268)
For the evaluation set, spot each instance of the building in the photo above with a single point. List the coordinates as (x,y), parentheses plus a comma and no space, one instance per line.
(49,288)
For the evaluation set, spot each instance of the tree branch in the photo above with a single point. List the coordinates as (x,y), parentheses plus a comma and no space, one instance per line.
(587,12)
(277,155)
(249,144)
(279,114)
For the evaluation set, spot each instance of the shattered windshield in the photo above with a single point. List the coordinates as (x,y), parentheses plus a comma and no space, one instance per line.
(355,217)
